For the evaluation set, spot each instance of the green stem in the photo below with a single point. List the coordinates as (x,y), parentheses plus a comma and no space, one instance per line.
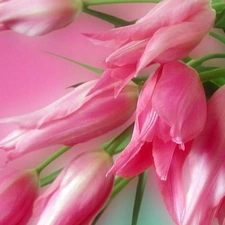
(114,146)
(50,178)
(142,178)
(117,22)
(218,37)
(40,167)
(102,2)
(197,62)
(211,74)
(120,184)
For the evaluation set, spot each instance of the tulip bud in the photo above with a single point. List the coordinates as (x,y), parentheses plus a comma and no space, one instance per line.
(75,118)
(18,191)
(37,17)
(78,193)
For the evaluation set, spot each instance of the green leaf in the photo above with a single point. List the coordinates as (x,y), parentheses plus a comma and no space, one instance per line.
(142,178)
(91,68)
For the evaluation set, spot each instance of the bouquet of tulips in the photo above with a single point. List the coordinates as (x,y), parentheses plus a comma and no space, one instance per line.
(170,120)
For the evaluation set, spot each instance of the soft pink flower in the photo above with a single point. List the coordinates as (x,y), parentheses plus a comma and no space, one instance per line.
(78,193)
(37,17)
(18,191)
(75,118)
(171,110)
(195,190)
(167,33)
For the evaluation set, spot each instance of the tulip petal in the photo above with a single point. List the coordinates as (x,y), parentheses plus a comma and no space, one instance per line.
(163,155)
(172,188)
(133,160)
(177,97)
(166,42)
(207,166)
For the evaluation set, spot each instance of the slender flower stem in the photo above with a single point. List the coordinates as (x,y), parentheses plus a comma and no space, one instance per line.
(117,22)
(218,37)
(197,62)
(212,74)
(40,167)
(142,178)
(104,2)
(119,143)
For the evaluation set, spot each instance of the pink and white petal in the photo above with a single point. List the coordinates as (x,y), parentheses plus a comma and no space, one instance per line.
(173,188)
(180,101)
(221,213)
(207,167)
(135,159)
(162,155)
(175,36)
(42,201)
(127,54)
(117,77)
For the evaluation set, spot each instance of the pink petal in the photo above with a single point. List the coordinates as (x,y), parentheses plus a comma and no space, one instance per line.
(163,154)
(133,160)
(119,77)
(179,100)
(207,166)
(174,42)
(172,188)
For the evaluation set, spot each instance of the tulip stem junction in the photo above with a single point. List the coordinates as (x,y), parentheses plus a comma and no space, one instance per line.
(142,178)
(54,156)
(50,178)
(102,2)
(119,143)
(197,62)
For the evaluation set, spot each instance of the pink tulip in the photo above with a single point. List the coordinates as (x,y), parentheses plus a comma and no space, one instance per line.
(18,191)
(167,33)
(196,194)
(37,17)
(171,110)
(78,193)
(75,118)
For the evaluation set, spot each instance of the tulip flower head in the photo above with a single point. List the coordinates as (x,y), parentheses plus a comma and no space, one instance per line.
(77,117)
(18,191)
(198,197)
(78,193)
(167,33)
(171,110)
(37,17)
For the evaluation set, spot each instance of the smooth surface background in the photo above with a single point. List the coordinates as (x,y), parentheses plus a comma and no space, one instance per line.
(30,79)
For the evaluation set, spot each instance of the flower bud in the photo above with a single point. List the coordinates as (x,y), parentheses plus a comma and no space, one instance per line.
(18,191)
(78,193)
(37,17)
(75,118)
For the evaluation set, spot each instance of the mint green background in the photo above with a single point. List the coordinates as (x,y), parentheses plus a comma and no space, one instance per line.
(153,210)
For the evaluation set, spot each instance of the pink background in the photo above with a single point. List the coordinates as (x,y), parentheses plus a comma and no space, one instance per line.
(31,79)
